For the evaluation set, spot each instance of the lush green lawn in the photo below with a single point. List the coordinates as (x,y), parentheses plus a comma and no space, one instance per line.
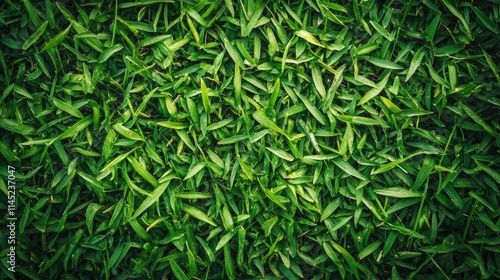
(302,139)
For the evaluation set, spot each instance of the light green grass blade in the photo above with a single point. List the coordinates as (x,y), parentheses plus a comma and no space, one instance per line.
(198,214)
(150,200)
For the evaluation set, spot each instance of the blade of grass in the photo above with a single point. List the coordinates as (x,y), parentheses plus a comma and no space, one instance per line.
(198,214)
(150,200)
(57,39)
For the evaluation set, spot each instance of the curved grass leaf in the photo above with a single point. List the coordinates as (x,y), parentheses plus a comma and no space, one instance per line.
(425,171)
(369,249)
(485,20)
(192,195)
(16,127)
(388,166)
(344,165)
(68,108)
(415,63)
(105,55)
(90,213)
(194,170)
(390,105)
(74,129)
(57,39)
(374,91)
(457,14)
(33,38)
(281,154)
(494,174)
(117,160)
(204,96)
(148,201)
(261,118)
(367,48)
(398,192)
(176,269)
(312,109)
(382,31)
(358,120)
(431,30)
(330,208)
(481,200)
(386,64)
(53,260)
(174,125)
(275,93)
(476,118)
(308,37)
(198,214)
(449,50)
(142,171)
(118,127)
(224,240)
(353,265)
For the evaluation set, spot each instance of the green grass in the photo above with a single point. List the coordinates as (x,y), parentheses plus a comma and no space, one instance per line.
(251,139)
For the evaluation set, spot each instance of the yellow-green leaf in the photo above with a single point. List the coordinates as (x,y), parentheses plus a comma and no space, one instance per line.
(308,37)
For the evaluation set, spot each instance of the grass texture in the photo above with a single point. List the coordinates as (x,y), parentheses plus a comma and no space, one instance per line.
(301,139)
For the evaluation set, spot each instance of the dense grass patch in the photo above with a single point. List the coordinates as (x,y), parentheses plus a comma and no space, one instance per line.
(251,139)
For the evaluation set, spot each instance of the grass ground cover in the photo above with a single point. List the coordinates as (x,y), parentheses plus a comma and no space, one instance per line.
(303,139)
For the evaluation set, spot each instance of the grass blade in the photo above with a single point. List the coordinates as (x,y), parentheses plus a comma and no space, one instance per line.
(281,154)
(75,129)
(476,118)
(318,81)
(386,64)
(68,108)
(150,200)
(204,96)
(374,91)
(456,13)
(314,111)
(198,214)
(261,118)
(109,52)
(117,160)
(35,36)
(398,192)
(127,132)
(494,174)
(16,127)
(308,37)
(349,169)
(142,171)
(194,170)
(415,63)
(424,172)
(382,31)
(57,39)
(176,269)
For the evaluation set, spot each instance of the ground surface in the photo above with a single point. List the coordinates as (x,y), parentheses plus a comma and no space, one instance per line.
(250,139)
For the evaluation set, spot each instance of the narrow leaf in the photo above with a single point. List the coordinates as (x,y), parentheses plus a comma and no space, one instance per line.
(374,91)
(16,127)
(398,192)
(35,36)
(127,132)
(198,214)
(261,118)
(204,96)
(308,37)
(148,201)
(344,165)
(57,39)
